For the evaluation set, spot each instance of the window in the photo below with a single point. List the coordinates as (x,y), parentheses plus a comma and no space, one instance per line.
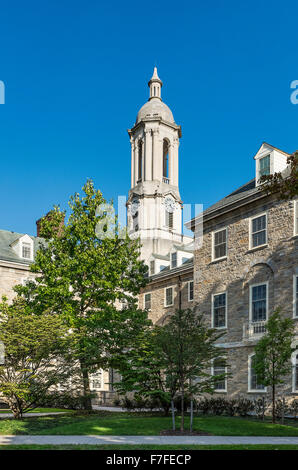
(258,227)
(140,161)
(147,301)
(258,302)
(295,372)
(96,380)
(152,267)
(219,313)
(174,259)
(264,166)
(295,296)
(190,291)
(219,368)
(253,385)
(168,296)
(165,171)
(26,250)
(220,244)
(169,219)
(295,217)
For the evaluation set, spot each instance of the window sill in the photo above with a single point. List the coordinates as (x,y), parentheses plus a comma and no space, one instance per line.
(256,248)
(220,391)
(167,306)
(220,328)
(218,260)
(257,391)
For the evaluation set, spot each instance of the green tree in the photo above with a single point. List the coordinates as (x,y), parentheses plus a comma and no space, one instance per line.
(285,185)
(84,270)
(272,359)
(34,347)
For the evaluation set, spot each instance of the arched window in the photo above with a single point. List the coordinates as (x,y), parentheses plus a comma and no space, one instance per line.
(165,159)
(253,385)
(140,155)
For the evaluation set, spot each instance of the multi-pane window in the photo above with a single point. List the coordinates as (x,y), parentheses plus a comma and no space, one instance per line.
(219,310)
(220,244)
(264,166)
(26,250)
(219,368)
(169,219)
(295,299)
(147,301)
(174,259)
(253,384)
(168,296)
(258,302)
(190,291)
(295,373)
(152,267)
(96,380)
(259,231)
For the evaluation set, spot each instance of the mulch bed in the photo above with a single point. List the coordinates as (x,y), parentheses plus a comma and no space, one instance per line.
(170,432)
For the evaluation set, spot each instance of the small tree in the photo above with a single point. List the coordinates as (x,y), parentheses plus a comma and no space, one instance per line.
(34,347)
(285,185)
(84,269)
(272,360)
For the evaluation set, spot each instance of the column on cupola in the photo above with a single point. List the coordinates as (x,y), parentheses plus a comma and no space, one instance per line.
(132,145)
(171,162)
(135,162)
(157,155)
(175,158)
(148,155)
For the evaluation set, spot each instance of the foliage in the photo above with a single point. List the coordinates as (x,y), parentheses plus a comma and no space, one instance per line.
(67,400)
(34,348)
(273,353)
(84,268)
(221,406)
(294,407)
(287,186)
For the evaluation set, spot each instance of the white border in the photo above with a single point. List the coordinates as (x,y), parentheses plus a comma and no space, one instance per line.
(295,276)
(165,296)
(249,377)
(250,299)
(226,311)
(212,248)
(225,379)
(250,231)
(188,290)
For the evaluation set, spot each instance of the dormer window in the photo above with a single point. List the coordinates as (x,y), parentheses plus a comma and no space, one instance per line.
(264,166)
(174,260)
(26,250)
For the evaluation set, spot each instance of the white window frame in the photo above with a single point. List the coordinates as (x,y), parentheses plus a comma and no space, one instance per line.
(293,361)
(259,164)
(213,247)
(188,290)
(225,379)
(101,379)
(174,252)
(147,293)
(251,247)
(295,276)
(226,311)
(251,390)
(250,299)
(295,217)
(165,296)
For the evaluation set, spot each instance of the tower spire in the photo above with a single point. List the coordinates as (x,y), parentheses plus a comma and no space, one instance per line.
(155,85)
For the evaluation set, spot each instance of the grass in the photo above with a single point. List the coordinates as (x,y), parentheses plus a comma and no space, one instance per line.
(105,423)
(40,410)
(149,447)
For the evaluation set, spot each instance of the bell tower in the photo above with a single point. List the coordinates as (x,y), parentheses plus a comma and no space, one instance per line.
(154,203)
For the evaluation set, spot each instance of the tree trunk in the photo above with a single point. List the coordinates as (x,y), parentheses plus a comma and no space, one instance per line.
(273,403)
(283,411)
(86,388)
(191,415)
(173,415)
(182,408)
(263,408)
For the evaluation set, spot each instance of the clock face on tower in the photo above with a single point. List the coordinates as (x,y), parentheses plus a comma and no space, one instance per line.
(170,204)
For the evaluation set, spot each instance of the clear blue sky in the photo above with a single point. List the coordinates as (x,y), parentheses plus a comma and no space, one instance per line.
(76,74)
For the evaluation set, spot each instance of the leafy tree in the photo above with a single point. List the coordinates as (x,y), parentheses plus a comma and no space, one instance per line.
(272,360)
(35,355)
(286,186)
(174,359)
(84,270)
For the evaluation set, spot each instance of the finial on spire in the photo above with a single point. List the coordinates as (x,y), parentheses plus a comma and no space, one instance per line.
(155,85)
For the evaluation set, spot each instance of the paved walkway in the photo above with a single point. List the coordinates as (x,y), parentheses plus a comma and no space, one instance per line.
(32,415)
(153,440)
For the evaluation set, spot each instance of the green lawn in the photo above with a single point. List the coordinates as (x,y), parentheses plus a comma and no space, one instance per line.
(104,423)
(40,410)
(148,447)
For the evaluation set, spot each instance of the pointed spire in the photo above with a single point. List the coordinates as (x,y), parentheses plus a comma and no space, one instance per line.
(155,85)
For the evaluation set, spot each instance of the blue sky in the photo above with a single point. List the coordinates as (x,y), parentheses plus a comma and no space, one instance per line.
(76,74)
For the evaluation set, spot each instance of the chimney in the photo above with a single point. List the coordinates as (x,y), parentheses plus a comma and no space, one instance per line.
(48,216)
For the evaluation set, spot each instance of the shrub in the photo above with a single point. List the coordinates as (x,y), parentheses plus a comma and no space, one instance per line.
(281,408)
(204,406)
(259,407)
(116,402)
(128,404)
(231,407)
(244,406)
(63,400)
(140,403)
(177,403)
(217,405)
(294,407)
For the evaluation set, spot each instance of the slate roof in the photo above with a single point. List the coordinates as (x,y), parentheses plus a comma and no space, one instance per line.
(7,253)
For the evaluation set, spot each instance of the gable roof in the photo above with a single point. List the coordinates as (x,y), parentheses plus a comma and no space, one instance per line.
(7,239)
